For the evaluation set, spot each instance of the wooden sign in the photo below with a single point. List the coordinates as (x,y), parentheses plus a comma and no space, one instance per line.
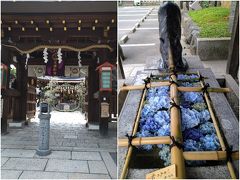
(106,79)
(164,173)
(104,110)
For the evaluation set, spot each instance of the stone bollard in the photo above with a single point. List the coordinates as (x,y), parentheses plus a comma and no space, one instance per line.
(44,131)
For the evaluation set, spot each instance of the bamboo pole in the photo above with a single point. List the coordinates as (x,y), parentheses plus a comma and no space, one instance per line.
(215,123)
(130,149)
(175,124)
(145,140)
(182,89)
(140,87)
(199,89)
(208,155)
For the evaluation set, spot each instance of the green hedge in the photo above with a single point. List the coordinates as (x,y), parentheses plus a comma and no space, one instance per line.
(213,21)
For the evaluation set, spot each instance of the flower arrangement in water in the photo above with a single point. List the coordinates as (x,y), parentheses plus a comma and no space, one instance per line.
(197,129)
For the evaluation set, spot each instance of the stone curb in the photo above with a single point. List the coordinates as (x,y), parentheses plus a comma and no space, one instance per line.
(124,38)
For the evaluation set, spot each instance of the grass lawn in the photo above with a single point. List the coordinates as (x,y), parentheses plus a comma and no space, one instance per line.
(213,21)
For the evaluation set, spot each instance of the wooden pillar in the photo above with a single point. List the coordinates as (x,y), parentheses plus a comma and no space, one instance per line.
(4,123)
(93,84)
(23,90)
(90,94)
(5,57)
(233,52)
(20,104)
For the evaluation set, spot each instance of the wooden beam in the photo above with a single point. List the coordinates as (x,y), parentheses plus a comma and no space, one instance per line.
(58,7)
(58,34)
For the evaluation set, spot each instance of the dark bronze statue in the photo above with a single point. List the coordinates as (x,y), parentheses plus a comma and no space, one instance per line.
(169,17)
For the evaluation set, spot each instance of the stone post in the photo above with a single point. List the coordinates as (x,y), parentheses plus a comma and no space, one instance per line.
(44,133)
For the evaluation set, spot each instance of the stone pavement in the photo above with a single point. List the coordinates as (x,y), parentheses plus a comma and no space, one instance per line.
(76,151)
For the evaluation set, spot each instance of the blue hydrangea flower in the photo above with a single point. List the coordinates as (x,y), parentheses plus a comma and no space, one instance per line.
(194,134)
(147,111)
(151,125)
(186,104)
(204,116)
(191,145)
(159,102)
(164,130)
(210,142)
(194,97)
(198,132)
(186,84)
(185,76)
(190,118)
(162,117)
(165,155)
(207,128)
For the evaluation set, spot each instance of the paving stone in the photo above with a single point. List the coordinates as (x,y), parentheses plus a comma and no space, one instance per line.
(43,175)
(97,167)
(70,136)
(56,155)
(110,164)
(25,164)
(58,165)
(10,174)
(18,153)
(94,149)
(67,143)
(4,160)
(87,176)
(61,148)
(86,155)
(87,145)
(104,145)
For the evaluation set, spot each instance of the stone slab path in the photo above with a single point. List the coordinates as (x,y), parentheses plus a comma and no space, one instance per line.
(77,153)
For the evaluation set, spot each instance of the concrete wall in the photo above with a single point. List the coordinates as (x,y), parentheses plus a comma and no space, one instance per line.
(212,48)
